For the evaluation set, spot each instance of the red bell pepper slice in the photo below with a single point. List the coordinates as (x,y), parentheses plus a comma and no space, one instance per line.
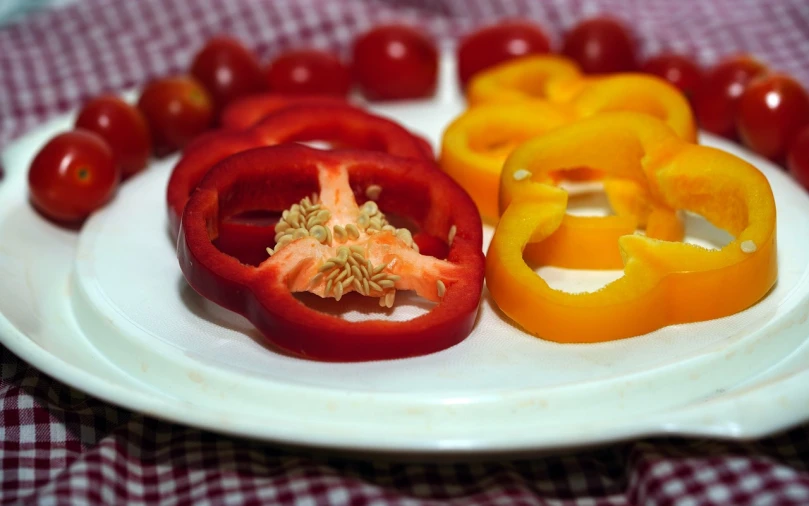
(245,112)
(342,124)
(365,255)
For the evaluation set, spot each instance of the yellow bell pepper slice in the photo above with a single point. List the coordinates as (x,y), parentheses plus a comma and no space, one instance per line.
(476,144)
(525,78)
(558,80)
(664,283)
(614,143)
(530,96)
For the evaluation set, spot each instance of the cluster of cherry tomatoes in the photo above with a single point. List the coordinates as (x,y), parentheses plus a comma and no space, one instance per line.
(78,171)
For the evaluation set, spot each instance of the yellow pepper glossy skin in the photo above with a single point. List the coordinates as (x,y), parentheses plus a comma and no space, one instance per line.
(664,283)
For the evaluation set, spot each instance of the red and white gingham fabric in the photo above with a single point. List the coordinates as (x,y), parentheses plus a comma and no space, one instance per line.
(58,446)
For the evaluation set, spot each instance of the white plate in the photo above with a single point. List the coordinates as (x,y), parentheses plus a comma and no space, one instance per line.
(107,311)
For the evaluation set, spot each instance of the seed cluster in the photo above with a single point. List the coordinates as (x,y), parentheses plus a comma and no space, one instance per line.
(305,219)
(351,268)
(373,221)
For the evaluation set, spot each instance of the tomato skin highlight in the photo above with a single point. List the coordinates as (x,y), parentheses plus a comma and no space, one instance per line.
(74,174)
(681,71)
(772,110)
(308,72)
(497,43)
(177,110)
(716,99)
(227,70)
(601,45)
(395,62)
(798,158)
(124,128)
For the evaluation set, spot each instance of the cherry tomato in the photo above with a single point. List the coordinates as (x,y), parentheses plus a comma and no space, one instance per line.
(679,70)
(309,72)
(228,70)
(177,110)
(498,43)
(73,175)
(717,97)
(395,62)
(772,110)
(123,127)
(601,45)
(798,158)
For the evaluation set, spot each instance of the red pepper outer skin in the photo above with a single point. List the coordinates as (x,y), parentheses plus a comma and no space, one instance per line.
(195,162)
(426,147)
(287,173)
(344,125)
(246,112)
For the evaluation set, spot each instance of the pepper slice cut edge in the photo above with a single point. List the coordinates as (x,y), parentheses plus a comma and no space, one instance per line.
(277,178)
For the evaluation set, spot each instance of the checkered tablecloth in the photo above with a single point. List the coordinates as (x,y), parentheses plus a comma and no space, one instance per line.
(58,446)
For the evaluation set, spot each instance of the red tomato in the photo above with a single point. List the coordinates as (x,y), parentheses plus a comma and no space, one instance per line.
(772,110)
(601,45)
(228,70)
(177,110)
(498,43)
(309,73)
(679,70)
(122,126)
(798,158)
(717,97)
(73,175)
(395,62)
